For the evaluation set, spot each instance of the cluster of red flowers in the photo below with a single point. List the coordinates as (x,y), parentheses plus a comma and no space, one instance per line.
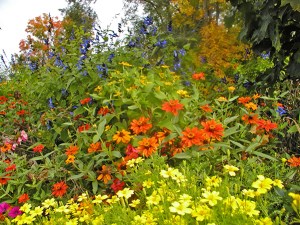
(260,124)
(104,110)
(198,76)
(84,127)
(39,148)
(10,168)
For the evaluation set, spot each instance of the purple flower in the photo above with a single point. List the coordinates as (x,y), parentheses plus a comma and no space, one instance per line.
(14,212)
(4,207)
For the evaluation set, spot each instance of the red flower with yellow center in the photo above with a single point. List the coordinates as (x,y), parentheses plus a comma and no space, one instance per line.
(172,106)
(59,189)
(147,146)
(212,129)
(140,126)
(191,136)
(105,174)
(122,136)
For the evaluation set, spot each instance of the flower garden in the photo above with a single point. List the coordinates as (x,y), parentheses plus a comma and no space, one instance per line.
(96,131)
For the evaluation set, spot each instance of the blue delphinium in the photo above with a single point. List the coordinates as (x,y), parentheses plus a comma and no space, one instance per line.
(32,66)
(50,103)
(148,21)
(281,111)
(161,44)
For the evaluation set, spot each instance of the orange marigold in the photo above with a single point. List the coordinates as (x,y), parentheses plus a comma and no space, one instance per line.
(172,106)
(244,100)
(72,150)
(59,189)
(191,136)
(140,126)
(212,129)
(105,174)
(70,159)
(122,136)
(23,198)
(294,161)
(147,146)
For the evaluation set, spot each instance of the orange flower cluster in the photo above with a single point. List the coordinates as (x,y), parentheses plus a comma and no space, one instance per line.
(266,125)
(85,101)
(23,198)
(70,152)
(206,108)
(104,110)
(10,167)
(59,189)
(3,99)
(172,106)
(198,76)
(246,101)
(39,148)
(6,147)
(140,126)
(94,147)
(294,161)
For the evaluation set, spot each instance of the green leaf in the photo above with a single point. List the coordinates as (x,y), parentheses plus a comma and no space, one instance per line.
(160,95)
(76,176)
(100,130)
(230,119)
(95,186)
(260,154)
(182,155)
(116,154)
(237,144)
(230,131)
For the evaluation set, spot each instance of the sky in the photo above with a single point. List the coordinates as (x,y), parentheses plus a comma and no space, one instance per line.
(15,14)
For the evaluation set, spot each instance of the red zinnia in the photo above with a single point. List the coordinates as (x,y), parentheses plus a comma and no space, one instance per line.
(3,99)
(213,129)
(11,168)
(103,111)
(72,150)
(39,148)
(267,125)
(117,185)
(84,127)
(21,112)
(173,106)
(23,198)
(59,189)
(191,136)
(140,126)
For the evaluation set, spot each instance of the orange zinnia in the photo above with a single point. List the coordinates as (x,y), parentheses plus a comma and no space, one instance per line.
(84,127)
(213,129)
(6,147)
(267,125)
(4,180)
(244,100)
(198,76)
(122,136)
(85,101)
(191,136)
(23,198)
(250,119)
(59,189)
(294,161)
(72,150)
(94,147)
(140,126)
(105,174)
(103,111)
(172,106)
(206,108)
(147,146)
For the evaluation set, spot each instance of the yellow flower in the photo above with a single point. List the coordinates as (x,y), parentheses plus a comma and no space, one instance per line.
(251,105)
(185,198)
(211,197)
(169,173)
(231,89)
(264,221)
(113,199)
(122,136)
(126,193)
(222,99)
(125,64)
(98,220)
(153,199)
(49,202)
(98,89)
(249,193)
(231,170)
(70,159)
(296,199)
(37,211)
(201,212)
(213,181)
(183,93)
(99,198)
(180,208)
(164,66)
(82,197)
(278,183)
(248,207)
(148,183)
(135,203)
(72,222)
(262,184)
(256,96)
(25,208)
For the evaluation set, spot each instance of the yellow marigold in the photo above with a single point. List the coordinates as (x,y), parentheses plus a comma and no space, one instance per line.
(231,89)
(122,136)
(262,184)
